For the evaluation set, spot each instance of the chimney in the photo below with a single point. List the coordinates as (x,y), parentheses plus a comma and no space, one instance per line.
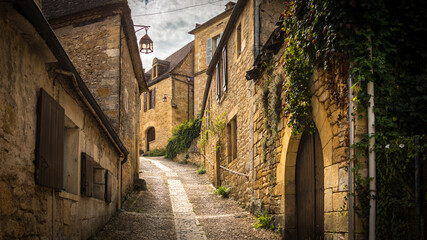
(229,5)
(197,25)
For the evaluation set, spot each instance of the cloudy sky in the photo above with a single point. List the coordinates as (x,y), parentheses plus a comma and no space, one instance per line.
(169,31)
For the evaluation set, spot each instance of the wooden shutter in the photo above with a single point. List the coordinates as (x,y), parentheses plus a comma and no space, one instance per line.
(208,51)
(218,83)
(50,142)
(86,175)
(108,185)
(224,69)
(145,101)
(154,97)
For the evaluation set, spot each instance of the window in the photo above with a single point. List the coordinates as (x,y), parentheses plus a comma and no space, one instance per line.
(221,75)
(145,102)
(151,98)
(239,39)
(71,155)
(211,45)
(95,181)
(232,140)
(154,71)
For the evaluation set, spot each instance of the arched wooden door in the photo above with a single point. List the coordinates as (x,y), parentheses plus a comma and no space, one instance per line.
(309,188)
(151,136)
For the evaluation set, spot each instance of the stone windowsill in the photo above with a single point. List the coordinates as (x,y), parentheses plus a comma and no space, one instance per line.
(70,196)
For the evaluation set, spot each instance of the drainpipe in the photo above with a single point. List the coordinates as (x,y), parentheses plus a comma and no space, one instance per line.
(350,163)
(371,158)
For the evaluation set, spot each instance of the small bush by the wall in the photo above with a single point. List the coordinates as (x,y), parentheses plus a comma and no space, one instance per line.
(223,191)
(201,170)
(156,152)
(264,221)
(182,137)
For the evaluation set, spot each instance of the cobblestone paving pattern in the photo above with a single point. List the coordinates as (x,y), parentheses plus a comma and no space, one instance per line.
(180,204)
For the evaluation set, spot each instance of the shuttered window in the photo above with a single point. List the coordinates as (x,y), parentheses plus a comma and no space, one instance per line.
(145,101)
(218,82)
(224,69)
(152,98)
(50,142)
(86,175)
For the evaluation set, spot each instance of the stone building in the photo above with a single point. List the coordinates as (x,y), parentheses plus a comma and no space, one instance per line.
(60,155)
(169,100)
(100,39)
(206,39)
(302,179)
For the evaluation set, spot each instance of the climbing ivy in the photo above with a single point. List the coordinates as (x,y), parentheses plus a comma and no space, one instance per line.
(182,137)
(375,41)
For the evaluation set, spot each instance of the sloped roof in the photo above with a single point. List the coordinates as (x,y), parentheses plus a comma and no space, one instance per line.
(59,8)
(174,61)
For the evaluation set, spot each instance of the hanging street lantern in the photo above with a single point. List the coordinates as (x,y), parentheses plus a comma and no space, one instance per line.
(145,43)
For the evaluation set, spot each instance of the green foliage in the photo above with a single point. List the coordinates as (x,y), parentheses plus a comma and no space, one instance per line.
(156,152)
(223,191)
(182,137)
(378,41)
(201,170)
(264,221)
(213,127)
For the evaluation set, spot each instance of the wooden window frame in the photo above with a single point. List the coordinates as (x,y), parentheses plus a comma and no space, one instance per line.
(239,39)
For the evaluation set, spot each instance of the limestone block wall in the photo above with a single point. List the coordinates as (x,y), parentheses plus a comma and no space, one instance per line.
(160,117)
(200,37)
(94,48)
(129,115)
(28,210)
(236,102)
(183,98)
(279,195)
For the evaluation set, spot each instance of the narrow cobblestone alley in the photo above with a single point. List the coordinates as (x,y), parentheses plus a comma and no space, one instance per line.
(180,204)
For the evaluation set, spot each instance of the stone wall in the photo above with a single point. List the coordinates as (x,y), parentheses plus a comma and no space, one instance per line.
(200,37)
(100,52)
(235,102)
(94,48)
(27,210)
(129,116)
(160,117)
(275,177)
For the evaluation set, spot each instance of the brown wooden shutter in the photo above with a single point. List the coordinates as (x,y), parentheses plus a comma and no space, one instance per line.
(108,185)
(208,51)
(50,142)
(154,97)
(224,69)
(145,101)
(218,83)
(87,175)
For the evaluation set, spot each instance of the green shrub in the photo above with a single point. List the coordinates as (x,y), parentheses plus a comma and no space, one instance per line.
(156,152)
(182,137)
(223,191)
(264,221)
(201,170)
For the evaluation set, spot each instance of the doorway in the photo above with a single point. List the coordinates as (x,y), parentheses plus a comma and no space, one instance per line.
(309,188)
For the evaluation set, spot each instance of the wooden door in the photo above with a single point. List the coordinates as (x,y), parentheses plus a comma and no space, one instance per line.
(309,188)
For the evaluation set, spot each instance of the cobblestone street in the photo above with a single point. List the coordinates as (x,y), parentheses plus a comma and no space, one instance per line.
(180,204)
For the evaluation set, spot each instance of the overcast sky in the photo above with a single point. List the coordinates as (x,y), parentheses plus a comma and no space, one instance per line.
(169,31)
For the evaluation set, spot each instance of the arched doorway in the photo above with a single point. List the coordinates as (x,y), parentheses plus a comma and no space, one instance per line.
(309,188)
(151,136)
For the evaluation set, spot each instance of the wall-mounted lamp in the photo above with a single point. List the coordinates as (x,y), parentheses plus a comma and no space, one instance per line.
(165,99)
(145,43)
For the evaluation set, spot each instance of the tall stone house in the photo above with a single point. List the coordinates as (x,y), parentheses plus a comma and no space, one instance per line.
(169,100)
(206,39)
(61,155)
(301,179)
(100,39)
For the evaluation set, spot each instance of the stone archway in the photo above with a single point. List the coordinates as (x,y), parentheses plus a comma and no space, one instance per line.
(288,160)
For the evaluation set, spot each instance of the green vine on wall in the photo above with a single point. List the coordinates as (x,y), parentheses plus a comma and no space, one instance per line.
(182,137)
(382,41)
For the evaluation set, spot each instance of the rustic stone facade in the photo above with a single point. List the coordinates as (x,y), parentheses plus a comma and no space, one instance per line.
(28,210)
(173,100)
(100,49)
(202,33)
